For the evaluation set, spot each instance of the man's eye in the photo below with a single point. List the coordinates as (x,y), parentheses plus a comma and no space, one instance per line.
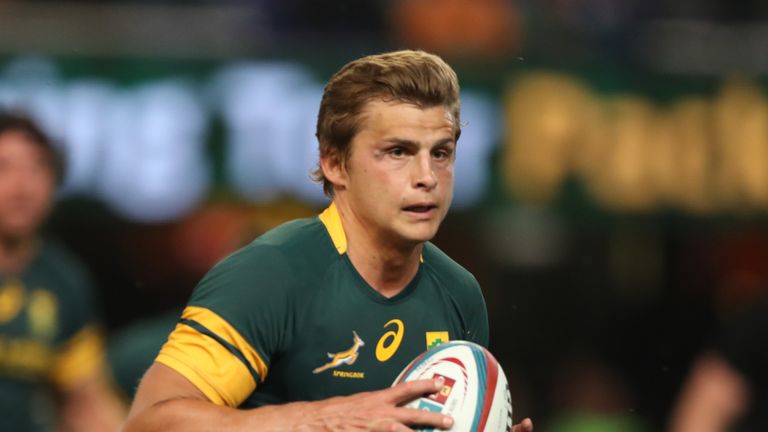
(441,154)
(397,152)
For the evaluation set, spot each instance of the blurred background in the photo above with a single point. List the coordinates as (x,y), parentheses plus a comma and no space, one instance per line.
(611,181)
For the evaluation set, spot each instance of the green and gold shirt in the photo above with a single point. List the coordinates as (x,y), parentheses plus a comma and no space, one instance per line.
(288,318)
(46,334)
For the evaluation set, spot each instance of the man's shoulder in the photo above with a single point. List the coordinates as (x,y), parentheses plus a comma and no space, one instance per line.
(294,243)
(286,253)
(464,290)
(260,284)
(293,235)
(445,267)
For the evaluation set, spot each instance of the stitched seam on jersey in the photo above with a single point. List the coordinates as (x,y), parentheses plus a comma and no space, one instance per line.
(231,348)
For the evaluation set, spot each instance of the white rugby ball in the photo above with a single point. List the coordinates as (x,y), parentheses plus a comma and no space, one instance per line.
(476,392)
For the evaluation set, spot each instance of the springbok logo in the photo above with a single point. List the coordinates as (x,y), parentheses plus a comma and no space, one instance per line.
(345,357)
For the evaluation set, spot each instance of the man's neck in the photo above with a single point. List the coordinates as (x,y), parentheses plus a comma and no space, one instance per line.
(15,253)
(384,265)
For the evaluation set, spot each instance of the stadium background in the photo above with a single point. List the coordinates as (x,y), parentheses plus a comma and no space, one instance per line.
(612,184)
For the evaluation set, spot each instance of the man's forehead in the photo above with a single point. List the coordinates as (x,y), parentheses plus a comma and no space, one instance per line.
(384,113)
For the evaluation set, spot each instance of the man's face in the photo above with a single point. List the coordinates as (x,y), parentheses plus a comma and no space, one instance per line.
(27,185)
(399,176)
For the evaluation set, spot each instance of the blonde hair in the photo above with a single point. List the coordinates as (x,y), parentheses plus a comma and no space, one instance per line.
(413,77)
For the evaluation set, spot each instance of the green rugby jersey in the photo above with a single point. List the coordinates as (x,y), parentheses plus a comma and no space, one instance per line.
(288,318)
(46,336)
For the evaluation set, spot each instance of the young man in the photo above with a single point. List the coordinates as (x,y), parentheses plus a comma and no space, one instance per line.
(47,335)
(312,320)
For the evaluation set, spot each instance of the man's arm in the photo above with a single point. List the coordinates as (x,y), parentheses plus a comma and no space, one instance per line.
(166,401)
(713,397)
(90,406)
(86,400)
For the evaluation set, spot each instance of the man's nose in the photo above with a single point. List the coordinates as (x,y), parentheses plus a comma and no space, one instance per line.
(424,173)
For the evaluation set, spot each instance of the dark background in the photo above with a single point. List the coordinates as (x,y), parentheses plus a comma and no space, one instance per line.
(601,286)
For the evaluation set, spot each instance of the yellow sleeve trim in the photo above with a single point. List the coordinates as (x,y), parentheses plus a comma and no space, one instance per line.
(208,364)
(221,328)
(81,358)
(332,221)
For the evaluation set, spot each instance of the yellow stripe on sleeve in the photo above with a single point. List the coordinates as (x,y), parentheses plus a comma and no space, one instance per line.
(81,358)
(208,364)
(224,330)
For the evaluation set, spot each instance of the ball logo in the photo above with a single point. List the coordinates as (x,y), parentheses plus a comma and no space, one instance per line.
(475,390)
(390,341)
(442,396)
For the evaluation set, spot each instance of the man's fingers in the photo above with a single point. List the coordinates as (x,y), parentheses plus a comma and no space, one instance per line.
(410,390)
(389,425)
(417,417)
(524,426)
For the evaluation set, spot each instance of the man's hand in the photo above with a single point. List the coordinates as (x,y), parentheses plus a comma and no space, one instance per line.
(524,426)
(376,411)
(166,401)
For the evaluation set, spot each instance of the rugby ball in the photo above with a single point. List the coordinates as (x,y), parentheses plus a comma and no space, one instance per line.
(476,392)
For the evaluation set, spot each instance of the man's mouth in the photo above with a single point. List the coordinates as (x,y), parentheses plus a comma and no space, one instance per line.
(420,208)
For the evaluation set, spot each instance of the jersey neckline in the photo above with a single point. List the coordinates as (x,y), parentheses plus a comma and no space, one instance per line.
(376,296)
(331,221)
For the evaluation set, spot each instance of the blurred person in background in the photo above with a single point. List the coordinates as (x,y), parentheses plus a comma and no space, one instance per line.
(589,395)
(50,347)
(727,389)
(727,386)
(270,327)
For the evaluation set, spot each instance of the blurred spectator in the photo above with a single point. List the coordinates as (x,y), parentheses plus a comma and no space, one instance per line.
(48,339)
(727,389)
(590,397)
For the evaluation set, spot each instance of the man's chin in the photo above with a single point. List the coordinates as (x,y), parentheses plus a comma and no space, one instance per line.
(420,236)
(18,231)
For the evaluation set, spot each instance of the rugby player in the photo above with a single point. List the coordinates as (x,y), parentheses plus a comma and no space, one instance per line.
(307,327)
(48,339)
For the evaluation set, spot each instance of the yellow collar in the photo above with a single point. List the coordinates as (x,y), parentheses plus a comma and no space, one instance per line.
(332,221)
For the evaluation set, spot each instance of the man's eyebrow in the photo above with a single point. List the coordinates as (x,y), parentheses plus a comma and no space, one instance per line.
(444,141)
(410,143)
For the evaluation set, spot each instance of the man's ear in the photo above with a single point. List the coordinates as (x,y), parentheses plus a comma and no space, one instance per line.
(334,168)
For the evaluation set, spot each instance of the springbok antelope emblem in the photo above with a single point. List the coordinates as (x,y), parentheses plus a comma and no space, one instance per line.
(345,357)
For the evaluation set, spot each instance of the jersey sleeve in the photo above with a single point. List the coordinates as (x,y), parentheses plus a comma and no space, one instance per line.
(80,358)
(234,323)
(477,316)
